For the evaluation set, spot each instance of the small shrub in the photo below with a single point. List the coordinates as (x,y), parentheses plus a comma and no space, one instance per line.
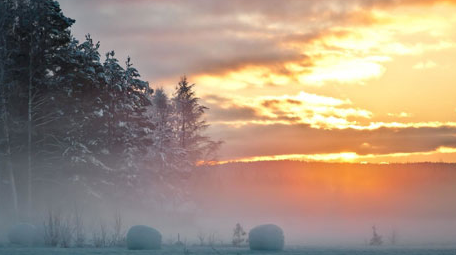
(52,229)
(80,237)
(118,238)
(100,237)
(238,235)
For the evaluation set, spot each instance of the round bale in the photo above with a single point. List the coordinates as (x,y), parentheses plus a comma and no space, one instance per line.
(143,238)
(266,238)
(22,234)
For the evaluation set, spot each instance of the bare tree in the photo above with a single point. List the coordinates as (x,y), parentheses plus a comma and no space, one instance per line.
(79,229)
(118,236)
(212,239)
(52,227)
(201,237)
(393,237)
(66,233)
(100,237)
(170,240)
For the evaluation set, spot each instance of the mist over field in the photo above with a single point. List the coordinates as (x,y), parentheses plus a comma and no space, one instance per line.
(315,204)
(320,203)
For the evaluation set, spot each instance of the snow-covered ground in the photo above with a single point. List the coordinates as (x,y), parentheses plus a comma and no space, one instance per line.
(231,251)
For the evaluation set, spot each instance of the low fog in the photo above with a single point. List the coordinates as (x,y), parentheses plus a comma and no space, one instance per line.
(314,203)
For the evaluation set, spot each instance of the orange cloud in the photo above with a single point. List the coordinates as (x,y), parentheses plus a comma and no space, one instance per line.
(323,76)
(315,110)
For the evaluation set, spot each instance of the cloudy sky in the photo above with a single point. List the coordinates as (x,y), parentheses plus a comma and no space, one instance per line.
(331,80)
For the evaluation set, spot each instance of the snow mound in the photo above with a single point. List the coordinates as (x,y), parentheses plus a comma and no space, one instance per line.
(143,238)
(266,237)
(22,234)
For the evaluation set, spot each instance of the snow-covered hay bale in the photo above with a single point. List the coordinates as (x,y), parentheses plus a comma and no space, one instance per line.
(22,234)
(266,237)
(143,238)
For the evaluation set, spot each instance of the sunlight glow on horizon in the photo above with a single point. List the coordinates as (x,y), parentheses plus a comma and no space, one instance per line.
(343,157)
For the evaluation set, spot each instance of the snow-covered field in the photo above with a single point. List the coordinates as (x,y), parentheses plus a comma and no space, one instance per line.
(229,251)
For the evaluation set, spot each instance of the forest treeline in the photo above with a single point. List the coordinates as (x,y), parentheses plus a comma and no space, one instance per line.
(71,118)
(328,190)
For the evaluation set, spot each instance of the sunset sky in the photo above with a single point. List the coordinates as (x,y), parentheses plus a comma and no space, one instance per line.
(325,80)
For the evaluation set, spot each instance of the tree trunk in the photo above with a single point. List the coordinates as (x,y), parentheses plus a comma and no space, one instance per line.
(9,165)
(29,137)
(9,168)
(183,132)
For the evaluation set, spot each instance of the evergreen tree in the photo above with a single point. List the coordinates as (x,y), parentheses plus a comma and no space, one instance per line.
(40,32)
(165,156)
(48,31)
(190,124)
(34,34)
(166,150)
(69,119)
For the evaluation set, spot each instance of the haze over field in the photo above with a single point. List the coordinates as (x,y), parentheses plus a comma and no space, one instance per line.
(330,204)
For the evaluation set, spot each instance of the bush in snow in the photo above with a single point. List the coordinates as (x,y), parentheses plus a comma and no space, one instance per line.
(100,238)
(266,237)
(376,238)
(23,234)
(238,235)
(118,238)
(143,238)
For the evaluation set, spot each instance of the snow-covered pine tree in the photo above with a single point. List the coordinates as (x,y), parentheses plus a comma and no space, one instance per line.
(190,123)
(48,33)
(69,118)
(38,31)
(135,124)
(80,79)
(188,127)
(189,117)
(165,150)
(162,162)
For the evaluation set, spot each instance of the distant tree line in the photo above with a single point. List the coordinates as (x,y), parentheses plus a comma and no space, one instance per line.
(69,117)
